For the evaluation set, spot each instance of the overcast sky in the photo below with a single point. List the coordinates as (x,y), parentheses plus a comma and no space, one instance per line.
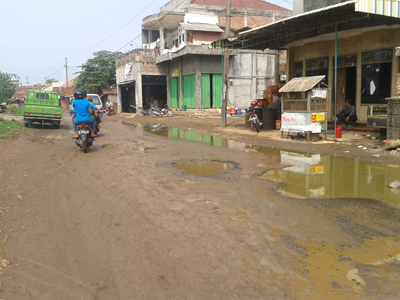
(37,36)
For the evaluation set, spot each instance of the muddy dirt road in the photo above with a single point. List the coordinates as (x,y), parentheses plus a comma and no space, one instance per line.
(121,222)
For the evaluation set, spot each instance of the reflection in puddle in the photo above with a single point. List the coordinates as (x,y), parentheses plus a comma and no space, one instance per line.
(309,175)
(327,176)
(337,271)
(200,168)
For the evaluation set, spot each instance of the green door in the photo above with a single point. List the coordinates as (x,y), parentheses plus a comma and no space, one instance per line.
(174,92)
(189,91)
(205,91)
(217,90)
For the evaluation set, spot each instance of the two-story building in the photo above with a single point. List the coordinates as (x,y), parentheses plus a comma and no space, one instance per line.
(177,66)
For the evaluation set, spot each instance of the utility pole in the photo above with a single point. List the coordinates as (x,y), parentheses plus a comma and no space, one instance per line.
(66,71)
(225,62)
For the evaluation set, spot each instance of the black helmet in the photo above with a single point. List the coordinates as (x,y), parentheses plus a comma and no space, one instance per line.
(79,94)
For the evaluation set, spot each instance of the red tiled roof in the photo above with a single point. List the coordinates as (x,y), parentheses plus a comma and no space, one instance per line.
(256,4)
(21,91)
(70,82)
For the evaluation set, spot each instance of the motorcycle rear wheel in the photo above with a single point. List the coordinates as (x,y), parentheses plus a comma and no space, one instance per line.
(85,146)
(170,113)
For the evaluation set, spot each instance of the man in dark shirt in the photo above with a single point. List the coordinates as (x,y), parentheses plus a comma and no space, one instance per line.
(347,114)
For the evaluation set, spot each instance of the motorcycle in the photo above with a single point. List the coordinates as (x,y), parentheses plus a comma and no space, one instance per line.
(144,112)
(164,111)
(111,110)
(84,140)
(255,123)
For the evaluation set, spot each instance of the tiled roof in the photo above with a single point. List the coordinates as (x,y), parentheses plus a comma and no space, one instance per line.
(256,4)
(71,82)
(21,91)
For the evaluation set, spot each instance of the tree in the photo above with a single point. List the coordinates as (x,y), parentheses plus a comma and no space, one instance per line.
(50,80)
(98,72)
(7,87)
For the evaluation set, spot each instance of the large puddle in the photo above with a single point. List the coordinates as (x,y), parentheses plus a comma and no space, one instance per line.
(343,272)
(309,175)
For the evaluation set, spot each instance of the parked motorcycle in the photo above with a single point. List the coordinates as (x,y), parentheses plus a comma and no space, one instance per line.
(111,110)
(255,123)
(84,140)
(144,112)
(161,112)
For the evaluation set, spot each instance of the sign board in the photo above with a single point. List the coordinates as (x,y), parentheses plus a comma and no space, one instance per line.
(318,117)
(300,122)
(175,73)
(128,70)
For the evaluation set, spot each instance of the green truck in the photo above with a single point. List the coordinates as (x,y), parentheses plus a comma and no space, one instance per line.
(42,107)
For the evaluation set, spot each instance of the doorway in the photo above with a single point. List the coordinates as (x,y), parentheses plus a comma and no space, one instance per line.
(346,87)
(127,96)
(211,90)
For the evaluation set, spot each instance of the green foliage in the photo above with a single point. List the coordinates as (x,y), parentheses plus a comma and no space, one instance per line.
(7,87)
(50,80)
(17,111)
(98,72)
(9,128)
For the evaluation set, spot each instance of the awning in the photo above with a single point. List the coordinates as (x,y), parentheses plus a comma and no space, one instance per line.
(201,27)
(301,84)
(319,22)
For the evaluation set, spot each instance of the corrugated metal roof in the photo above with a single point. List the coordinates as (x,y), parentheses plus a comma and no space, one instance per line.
(301,15)
(301,84)
(380,7)
(201,27)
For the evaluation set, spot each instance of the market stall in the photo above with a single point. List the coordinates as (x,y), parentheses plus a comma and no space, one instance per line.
(304,107)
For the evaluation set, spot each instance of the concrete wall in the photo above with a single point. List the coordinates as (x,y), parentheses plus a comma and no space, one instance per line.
(350,42)
(144,63)
(251,73)
(315,4)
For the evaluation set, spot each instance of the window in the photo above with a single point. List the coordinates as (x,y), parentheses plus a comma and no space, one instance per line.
(318,66)
(376,76)
(42,96)
(298,69)
(95,100)
(345,61)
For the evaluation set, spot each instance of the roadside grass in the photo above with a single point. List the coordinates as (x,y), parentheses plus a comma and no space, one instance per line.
(16,111)
(9,128)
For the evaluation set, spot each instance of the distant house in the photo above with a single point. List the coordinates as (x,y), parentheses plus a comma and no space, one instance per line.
(20,93)
(53,86)
(108,94)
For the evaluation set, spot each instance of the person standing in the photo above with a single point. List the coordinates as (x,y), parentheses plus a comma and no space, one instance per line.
(347,114)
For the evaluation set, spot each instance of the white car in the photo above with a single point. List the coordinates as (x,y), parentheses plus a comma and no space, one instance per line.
(96,101)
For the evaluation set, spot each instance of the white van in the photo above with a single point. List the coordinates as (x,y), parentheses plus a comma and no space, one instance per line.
(95,99)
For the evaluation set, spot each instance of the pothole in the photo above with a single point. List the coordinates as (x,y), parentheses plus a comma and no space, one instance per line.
(203,168)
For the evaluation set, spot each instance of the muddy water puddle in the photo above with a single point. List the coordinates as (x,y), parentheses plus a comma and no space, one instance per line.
(308,175)
(201,168)
(326,176)
(337,271)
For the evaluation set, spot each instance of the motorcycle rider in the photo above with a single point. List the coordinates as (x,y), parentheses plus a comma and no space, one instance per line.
(95,114)
(82,112)
(108,105)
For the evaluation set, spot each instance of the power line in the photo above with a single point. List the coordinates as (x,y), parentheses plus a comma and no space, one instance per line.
(116,30)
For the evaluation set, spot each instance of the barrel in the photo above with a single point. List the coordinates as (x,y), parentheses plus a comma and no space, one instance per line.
(269,118)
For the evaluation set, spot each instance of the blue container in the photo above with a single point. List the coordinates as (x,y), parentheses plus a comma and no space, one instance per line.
(239,111)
